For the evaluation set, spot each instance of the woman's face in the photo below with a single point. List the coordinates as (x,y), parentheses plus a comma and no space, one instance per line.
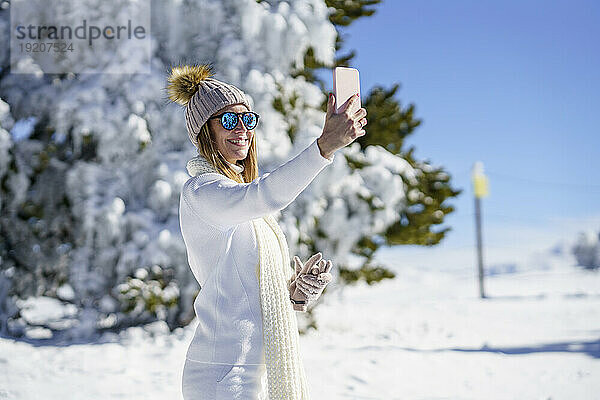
(231,151)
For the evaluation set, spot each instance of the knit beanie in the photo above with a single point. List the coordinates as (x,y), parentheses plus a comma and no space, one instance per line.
(192,87)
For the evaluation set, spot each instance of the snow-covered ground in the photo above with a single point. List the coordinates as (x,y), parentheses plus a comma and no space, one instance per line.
(424,335)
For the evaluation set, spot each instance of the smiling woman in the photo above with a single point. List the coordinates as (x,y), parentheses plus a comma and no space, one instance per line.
(246,343)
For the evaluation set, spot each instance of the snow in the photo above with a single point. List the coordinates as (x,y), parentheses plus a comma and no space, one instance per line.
(23,128)
(65,292)
(47,311)
(423,335)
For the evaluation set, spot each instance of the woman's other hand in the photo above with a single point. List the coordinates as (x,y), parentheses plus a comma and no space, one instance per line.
(341,129)
(310,280)
(312,284)
(299,269)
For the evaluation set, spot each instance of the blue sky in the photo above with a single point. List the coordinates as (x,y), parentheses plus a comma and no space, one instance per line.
(515,84)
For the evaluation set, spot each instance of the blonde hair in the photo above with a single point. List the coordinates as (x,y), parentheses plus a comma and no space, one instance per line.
(207,147)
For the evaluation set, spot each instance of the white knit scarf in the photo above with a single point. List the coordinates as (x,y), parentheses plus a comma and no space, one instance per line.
(285,372)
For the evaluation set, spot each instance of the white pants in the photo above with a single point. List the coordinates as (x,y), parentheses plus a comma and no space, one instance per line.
(202,380)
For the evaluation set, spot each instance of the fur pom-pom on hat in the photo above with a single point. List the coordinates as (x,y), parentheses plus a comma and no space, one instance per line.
(184,81)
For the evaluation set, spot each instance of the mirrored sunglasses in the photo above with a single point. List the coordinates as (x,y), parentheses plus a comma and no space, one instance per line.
(230,119)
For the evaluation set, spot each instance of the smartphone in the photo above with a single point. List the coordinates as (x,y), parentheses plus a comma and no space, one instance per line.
(345,85)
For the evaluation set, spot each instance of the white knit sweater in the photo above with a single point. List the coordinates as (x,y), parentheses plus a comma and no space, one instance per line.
(216,216)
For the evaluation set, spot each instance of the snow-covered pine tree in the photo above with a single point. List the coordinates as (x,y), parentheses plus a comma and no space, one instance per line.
(90,197)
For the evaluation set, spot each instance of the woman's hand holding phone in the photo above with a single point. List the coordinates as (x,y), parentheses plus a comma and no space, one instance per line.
(342,129)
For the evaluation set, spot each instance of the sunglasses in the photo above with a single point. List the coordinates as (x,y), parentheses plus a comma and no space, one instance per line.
(230,119)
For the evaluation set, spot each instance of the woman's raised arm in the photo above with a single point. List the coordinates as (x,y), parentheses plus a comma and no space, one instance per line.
(224,203)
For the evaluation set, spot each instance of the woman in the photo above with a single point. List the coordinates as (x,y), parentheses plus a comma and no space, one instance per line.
(246,343)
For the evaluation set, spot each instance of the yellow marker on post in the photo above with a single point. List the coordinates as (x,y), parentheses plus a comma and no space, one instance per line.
(480,181)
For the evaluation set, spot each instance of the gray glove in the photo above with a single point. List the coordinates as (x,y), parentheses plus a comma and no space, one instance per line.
(312,284)
(309,281)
